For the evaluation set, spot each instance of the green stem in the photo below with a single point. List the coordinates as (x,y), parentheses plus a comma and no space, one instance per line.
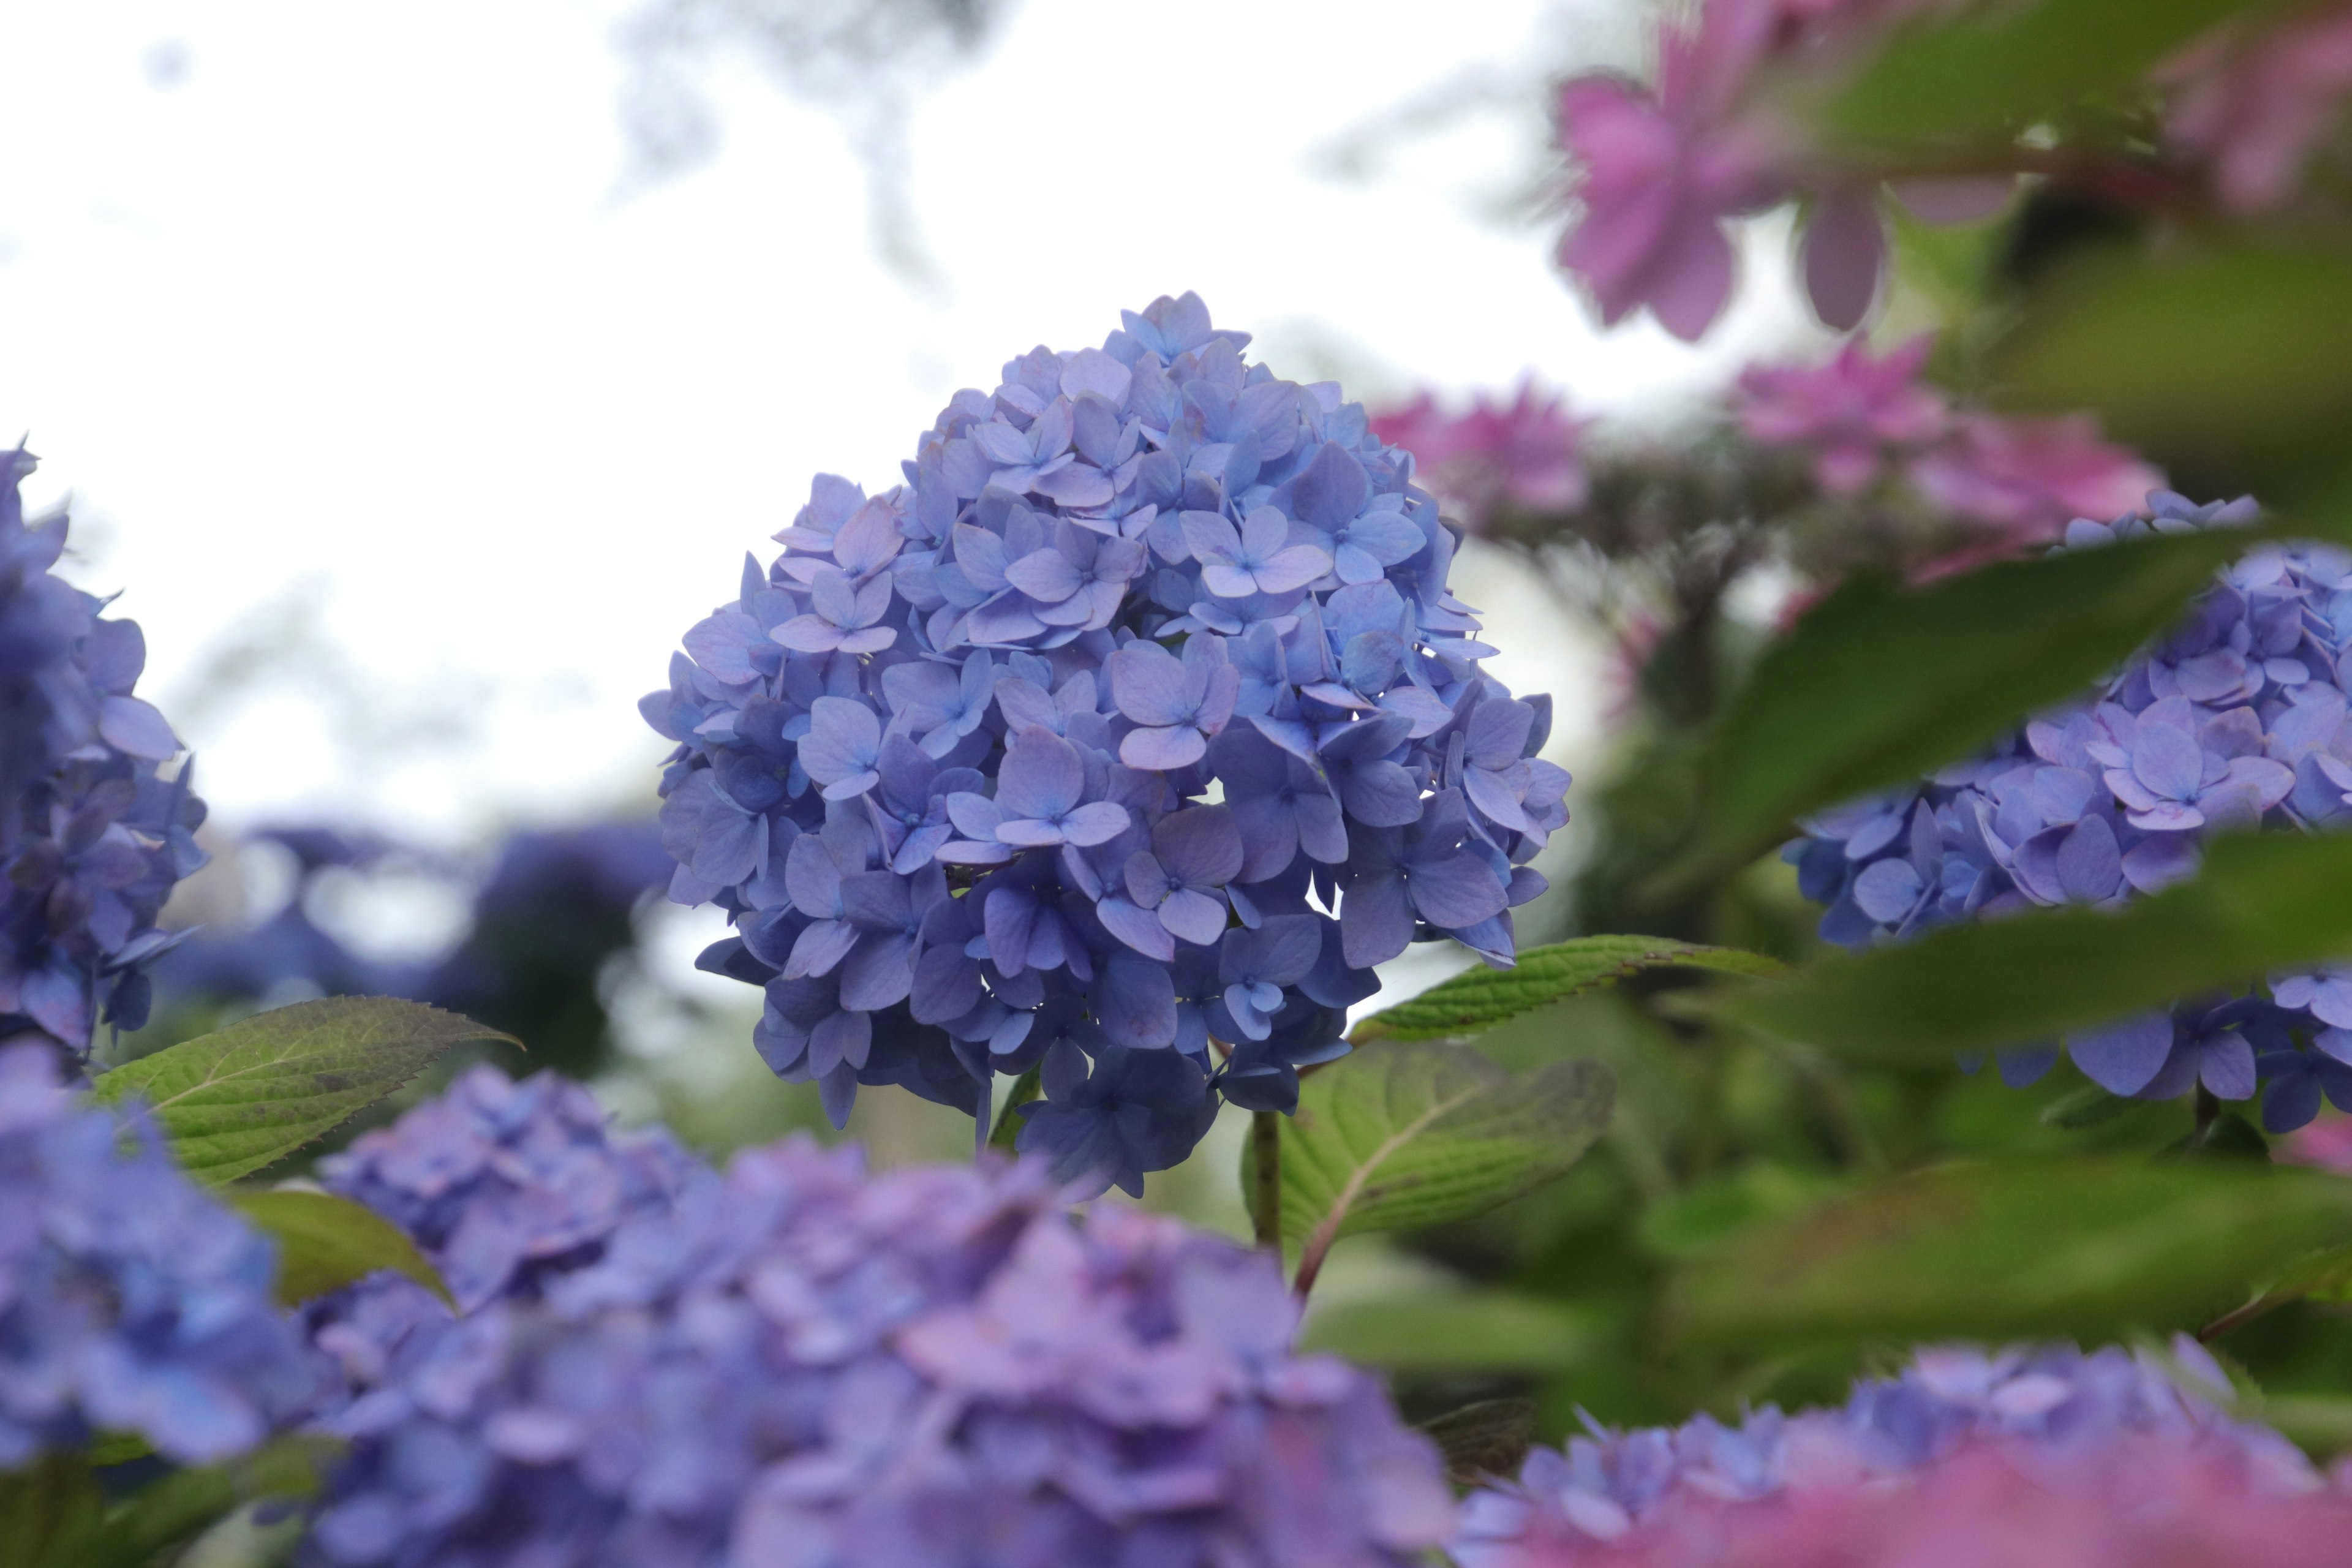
(1008,1124)
(1265,1201)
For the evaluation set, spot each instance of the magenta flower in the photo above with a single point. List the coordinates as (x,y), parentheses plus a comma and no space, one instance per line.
(1519,456)
(2254,109)
(2028,477)
(1661,170)
(1854,413)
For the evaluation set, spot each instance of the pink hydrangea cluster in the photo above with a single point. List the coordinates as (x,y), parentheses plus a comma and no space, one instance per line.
(1863,417)
(2253,107)
(1520,455)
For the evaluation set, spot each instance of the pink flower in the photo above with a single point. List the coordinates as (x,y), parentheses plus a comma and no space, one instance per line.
(2327,1143)
(1854,412)
(2256,107)
(1660,172)
(2142,1505)
(1520,457)
(2027,478)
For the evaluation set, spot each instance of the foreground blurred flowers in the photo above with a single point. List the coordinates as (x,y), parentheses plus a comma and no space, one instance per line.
(957,789)
(796,1362)
(92,836)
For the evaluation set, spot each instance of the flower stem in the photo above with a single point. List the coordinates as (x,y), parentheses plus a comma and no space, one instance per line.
(1008,1124)
(1266,1199)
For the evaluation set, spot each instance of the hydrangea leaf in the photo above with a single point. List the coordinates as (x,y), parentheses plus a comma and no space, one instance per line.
(1481,999)
(50,1500)
(1402,1136)
(1484,1332)
(244,1097)
(325,1242)
(1878,684)
(2020,1248)
(1989,72)
(1482,1440)
(2261,904)
(175,1509)
(2265,333)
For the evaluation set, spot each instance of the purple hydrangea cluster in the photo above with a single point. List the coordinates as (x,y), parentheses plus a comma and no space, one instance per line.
(796,1362)
(1061,754)
(91,838)
(2237,719)
(503,1184)
(131,1301)
(2050,1408)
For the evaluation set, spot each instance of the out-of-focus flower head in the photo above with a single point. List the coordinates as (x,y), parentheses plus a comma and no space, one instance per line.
(501,1182)
(2025,479)
(131,1299)
(2236,719)
(1880,1481)
(1519,456)
(2256,104)
(951,763)
(1855,413)
(798,1362)
(92,838)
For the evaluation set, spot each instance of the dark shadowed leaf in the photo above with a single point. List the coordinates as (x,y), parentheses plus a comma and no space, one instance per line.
(51,1501)
(1478,998)
(1993,70)
(1878,685)
(325,1242)
(246,1096)
(1481,1331)
(2021,1249)
(2261,903)
(1397,1136)
(2235,360)
(168,1513)
(1483,1441)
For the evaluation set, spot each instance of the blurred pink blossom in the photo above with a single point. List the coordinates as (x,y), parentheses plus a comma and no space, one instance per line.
(2255,107)
(1854,412)
(2147,1505)
(1520,455)
(2327,1143)
(2027,478)
(1659,172)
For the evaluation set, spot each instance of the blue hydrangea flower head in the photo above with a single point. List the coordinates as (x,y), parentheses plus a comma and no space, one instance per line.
(131,1299)
(92,837)
(2049,1408)
(794,1361)
(2235,720)
(1151,650)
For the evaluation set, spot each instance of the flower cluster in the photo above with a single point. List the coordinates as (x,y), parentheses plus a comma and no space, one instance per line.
(91,838)
(131,1301)
(1878,1480)
(1519,457)
(794,1361)
(1659,169)
(1862,417)
(1056,755)
(500,1184)
(2238,717)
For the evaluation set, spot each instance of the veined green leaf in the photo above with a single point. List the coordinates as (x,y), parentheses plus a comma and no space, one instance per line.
(2260,902)
(325,1242)
(1397,1136)
(249,1095)
(1483,1441)
(1479,998)
(2019,1248)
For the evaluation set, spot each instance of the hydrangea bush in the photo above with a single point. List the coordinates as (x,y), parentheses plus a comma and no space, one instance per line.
(131,1302)
(92,836)
(2237,719)
(1062,754)
(794,1361)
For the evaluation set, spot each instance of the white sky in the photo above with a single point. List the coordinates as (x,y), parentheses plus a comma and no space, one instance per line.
(351,320)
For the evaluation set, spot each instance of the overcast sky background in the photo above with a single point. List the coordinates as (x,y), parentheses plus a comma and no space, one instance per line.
(415,441)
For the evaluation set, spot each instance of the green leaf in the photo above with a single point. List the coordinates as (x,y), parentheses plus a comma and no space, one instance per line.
(2261,902)
(50,1500)
(175,1509)
(1398,1137)
(1488,1331)
(1479,998)
(1996,70)
(2318,1424)
(1878,685)
(2235,360)
(325,1242)
(251,1094)
(2020,1248)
